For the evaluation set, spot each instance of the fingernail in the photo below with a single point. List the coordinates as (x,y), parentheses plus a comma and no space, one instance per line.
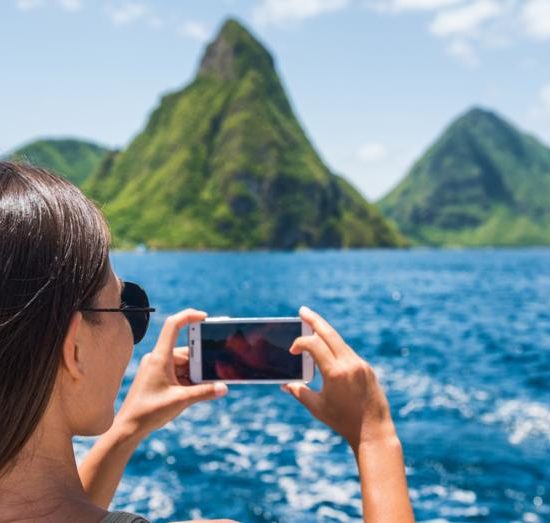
(303,309)
(220,389)
(283,388)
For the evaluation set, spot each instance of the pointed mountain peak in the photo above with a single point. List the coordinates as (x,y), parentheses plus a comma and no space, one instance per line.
(479,115)
(479,112)
(482,182)
(233,52)
(479,124)
(228,166)
(232,28)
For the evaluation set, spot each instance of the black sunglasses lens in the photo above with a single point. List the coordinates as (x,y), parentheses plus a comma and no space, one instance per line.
(134,296)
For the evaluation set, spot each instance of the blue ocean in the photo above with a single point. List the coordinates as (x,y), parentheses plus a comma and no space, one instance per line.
(459,339)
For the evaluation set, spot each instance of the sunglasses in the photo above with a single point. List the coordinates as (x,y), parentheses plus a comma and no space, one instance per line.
(135,307)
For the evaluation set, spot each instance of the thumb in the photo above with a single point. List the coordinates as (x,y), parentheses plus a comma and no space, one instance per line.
(201,392)
(307,397)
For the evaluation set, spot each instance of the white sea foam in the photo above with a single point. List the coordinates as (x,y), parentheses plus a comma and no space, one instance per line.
(160,503)
(246,437)
(448,502)
(158,446)
(325,513)
(282,431)
(531,517)
(148,494)
(322,491)
(522,419)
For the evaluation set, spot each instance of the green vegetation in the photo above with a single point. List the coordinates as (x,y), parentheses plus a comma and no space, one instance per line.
(74,159)
(482,183)
(225,164)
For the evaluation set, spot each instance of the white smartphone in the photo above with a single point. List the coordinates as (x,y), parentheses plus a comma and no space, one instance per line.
(248,350)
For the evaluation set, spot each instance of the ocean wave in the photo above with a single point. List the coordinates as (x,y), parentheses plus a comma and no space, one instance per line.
(520,418)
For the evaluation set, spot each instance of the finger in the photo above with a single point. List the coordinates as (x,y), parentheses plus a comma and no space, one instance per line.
(181,351)
(325,330)
(317,348)
(307,397)
(172,325)
(201,392)
(181,355)
(181,365)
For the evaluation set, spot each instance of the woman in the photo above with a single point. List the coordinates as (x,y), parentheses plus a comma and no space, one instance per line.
(64,349)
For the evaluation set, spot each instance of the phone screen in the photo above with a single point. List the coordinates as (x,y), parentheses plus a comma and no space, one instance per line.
(250,351)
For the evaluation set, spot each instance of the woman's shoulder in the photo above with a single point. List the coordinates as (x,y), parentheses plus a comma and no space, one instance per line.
(123,517)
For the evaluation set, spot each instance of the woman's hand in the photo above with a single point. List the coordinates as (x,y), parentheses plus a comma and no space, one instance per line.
(351,400)
(160,391)
(353,403)
(161,388)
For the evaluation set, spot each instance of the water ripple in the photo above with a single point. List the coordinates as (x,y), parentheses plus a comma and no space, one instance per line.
(460,341)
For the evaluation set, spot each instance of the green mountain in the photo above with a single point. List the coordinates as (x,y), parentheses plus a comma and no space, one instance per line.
(74,159)
(224,164)
(483,182)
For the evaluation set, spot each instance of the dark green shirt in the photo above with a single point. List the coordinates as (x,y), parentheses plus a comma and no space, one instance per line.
(124,517)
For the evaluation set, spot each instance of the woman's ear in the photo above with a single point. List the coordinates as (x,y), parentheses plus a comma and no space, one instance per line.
(72,357)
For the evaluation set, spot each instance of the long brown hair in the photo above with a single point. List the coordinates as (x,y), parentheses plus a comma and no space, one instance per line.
(54,258)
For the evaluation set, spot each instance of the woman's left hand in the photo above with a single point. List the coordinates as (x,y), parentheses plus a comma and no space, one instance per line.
(161,388)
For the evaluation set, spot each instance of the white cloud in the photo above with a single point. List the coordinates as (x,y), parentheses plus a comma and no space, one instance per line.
(194,30)
(410,5)
(127,13)
(425,4)
(470,26)
(544,98)
(279,12)
(130,12)
(466,19)
(464,52)
(372,152)
(535,16)
(28,5)
(70,5)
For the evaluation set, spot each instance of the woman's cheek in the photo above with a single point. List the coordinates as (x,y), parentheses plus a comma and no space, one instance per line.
(126,342)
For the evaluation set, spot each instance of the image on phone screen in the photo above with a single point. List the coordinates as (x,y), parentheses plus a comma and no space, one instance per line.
(246,351)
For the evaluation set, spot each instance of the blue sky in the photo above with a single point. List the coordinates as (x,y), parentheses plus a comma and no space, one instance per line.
(373,81)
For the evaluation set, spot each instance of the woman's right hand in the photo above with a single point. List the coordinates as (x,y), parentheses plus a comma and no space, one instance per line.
(351,400)
(161,389)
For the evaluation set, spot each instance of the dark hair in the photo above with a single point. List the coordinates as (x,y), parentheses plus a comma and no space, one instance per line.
(54,259)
